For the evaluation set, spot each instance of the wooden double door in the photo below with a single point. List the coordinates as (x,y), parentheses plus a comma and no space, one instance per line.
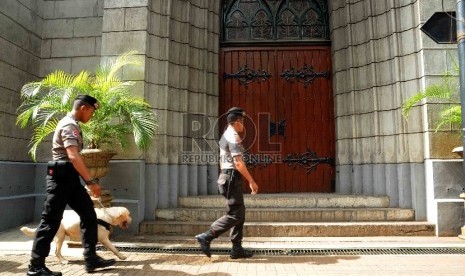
(289,129)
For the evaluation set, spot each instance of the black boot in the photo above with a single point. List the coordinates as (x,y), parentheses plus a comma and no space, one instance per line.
(204,239)
(238,252)
(38,268)
(96,261)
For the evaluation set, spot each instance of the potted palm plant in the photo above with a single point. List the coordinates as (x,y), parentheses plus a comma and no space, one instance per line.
(446,91)
(121,114)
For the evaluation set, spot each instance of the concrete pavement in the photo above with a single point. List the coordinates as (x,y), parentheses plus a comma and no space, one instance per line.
(15,250)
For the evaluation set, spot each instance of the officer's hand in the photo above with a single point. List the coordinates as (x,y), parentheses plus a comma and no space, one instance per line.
(95,189)
(253,187)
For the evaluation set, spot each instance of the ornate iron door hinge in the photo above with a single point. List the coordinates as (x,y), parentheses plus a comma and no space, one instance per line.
(281,126)
(305,75)
(308,160)
(246,75)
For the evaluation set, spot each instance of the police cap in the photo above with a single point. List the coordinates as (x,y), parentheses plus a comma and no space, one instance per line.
(89,100)
(235,113)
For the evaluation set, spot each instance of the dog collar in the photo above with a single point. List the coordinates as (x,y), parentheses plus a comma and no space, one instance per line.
(104,224)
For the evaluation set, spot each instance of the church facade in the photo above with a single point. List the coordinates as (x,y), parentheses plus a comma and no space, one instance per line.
(322,83)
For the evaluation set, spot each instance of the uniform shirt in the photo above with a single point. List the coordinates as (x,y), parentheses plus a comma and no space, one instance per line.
(230,146)
(68,133)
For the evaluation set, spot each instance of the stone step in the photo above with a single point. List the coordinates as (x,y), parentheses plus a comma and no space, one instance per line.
(291,214)
(296,229)
(300,200)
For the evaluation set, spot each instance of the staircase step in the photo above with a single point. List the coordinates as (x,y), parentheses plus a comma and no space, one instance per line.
(296,229)
(291,214)
(300,200)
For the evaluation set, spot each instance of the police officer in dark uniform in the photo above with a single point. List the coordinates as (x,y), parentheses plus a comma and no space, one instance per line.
(230,186)
(64,188)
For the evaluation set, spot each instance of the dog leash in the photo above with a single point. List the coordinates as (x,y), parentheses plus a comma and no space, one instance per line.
(101,205)
(100,202)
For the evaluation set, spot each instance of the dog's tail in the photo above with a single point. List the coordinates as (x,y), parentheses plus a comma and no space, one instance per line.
(30,232)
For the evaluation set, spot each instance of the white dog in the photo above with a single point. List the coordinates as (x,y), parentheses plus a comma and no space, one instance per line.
(70,226)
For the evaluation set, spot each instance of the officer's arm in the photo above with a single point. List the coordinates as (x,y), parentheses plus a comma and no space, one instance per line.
(81,168)
(242,168)
(78,163)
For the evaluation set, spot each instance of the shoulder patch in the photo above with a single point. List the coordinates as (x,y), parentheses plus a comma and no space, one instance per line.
(237,138)
(75,133)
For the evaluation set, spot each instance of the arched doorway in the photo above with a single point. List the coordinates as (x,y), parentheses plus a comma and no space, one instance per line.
(275,62)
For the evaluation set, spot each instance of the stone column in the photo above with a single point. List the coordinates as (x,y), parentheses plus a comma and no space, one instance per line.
(462,236)
(125,28)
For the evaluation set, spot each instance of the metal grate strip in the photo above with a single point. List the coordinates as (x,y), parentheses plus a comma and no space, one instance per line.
(299,252)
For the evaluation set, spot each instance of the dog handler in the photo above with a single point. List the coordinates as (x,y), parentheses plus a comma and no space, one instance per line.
(230,186)
(64,188)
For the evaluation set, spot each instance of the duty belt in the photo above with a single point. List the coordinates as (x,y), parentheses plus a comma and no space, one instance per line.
(59,164)
(59,168)
(228,171)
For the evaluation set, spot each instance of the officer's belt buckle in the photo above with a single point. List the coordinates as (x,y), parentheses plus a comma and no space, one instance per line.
(229,172)
(226,171)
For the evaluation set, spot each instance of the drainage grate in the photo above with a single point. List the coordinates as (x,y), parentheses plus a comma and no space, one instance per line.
(299,252)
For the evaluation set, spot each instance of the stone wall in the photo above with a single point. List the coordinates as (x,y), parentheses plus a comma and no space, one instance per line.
(437,59)
(380,59)
(72,35)
(178,44)
(182,80)
(71,41)
(444,176)
(377,65)
(37,37)
(21,25)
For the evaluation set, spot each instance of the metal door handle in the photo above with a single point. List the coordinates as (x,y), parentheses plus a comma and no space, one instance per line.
(280,127)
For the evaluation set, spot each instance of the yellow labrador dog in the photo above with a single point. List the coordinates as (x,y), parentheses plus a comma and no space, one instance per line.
(70,226)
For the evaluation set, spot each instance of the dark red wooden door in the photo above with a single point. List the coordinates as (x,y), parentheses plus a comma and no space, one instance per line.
(287,95)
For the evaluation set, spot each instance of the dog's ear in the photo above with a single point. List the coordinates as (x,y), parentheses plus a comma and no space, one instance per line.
(123,211)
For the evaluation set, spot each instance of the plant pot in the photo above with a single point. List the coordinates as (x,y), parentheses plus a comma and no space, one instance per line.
(97,161)
(458,150)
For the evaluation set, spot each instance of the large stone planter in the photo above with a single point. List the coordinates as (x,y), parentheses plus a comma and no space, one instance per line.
(458,150)
(97,161)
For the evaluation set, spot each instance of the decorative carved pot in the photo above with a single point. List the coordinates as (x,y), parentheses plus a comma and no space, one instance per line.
(98,161)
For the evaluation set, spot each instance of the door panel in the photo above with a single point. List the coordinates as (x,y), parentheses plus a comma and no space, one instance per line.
(255,79)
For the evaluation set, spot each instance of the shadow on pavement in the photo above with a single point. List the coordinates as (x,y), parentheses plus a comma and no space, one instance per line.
(164,264)
(10,266)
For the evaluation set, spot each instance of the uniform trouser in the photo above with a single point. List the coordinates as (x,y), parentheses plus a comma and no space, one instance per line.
(64,187)
(235,217)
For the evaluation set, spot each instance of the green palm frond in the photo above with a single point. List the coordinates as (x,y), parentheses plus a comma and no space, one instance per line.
(450,116)
(128,58)
(120,116)
(442,92)
(105,77)
(40,134)
(446,91)
(58,79)
(30,89)
(144,124)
